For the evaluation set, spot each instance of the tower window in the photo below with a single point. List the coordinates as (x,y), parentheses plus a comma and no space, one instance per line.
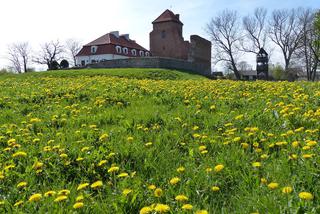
(125,50)
(163,34)
(134,52)
(141,53)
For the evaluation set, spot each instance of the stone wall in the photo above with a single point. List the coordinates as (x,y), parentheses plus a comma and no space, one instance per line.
(200,51)
(155,62)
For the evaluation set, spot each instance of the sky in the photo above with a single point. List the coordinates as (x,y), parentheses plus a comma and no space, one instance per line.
(39,21)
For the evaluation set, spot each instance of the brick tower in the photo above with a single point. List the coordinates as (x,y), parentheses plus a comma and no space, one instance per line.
(166,39)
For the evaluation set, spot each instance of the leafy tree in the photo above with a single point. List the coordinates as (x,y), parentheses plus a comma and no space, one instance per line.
(64,64)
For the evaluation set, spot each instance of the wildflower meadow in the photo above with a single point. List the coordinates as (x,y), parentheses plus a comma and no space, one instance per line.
(157,141)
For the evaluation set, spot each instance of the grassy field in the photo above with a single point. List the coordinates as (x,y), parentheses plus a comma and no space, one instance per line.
(156,141)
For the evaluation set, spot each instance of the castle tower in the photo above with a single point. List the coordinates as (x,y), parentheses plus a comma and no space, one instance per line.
(166,39)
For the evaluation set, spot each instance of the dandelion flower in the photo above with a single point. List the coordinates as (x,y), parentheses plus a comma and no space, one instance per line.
(218,168)
(181,169)
(158,192)
(146,210)
(50,193)
(181,198)
(19,154)
(215,188)
(79,198)
(102,162)
(256,164)
(22,184)
(78,205)
(162,208)
(174,180)
(18,203)
(202,212)
(126,192)
(82,186)
(61,198)
(273,185)
(113,169)
(152,187)
(97,184)
(187,207)
(35,197)
(305,196)
(64,192)
(123,175)
(286,190)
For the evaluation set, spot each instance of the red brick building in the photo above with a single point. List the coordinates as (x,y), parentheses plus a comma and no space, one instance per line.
(166,40)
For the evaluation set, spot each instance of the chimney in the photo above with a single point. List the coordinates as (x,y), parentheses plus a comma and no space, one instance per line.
(115,33)
(126,36)
(178,16)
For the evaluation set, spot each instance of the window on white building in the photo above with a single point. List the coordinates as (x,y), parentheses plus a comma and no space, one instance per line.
(118,49)
(94,49)
(125,50)
(147,54)
(134,52)
(141,53)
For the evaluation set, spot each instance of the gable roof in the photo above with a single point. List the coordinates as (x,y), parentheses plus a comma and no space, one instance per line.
(110,38)
(168,16)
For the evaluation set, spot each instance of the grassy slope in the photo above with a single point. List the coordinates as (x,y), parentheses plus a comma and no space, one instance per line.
(175,116)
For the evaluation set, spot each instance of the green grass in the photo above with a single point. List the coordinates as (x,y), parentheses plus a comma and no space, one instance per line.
(70,121)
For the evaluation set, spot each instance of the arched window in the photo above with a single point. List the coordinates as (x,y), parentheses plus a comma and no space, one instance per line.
(125,50)
(118,49)
(94,49)
(141,53)
(147,54)
(134,52)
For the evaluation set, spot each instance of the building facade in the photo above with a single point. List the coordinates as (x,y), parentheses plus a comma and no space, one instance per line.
(109,47)
(166,40)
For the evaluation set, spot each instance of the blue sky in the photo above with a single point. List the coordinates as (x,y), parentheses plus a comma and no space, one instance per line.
(37,22)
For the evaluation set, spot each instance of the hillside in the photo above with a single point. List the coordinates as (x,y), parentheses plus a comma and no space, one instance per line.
(156,141)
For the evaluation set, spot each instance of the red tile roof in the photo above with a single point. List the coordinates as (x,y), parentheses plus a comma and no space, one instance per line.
(109,38)
(166,16)
(107,45)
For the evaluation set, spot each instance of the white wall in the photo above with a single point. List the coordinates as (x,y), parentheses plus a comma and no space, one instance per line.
(88,59)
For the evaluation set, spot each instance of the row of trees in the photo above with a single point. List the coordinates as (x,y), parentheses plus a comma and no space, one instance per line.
(296,32)
(21,55)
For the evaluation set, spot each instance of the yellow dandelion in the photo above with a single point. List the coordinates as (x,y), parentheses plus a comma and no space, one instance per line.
(152,187)
(158,192)
(256,164)
(181,198)
(146,210)
(82,186)
(103,137)
(218,168)
(102,162)
(79,198)
(113,169)
(287,190)
(187,207)
(37,165)
(174,180)
(273,185)
(306,196)
(50,193)
(123,175)
(61,198)
(35,197)
(97,184)
(202,212)
(64,192)
(78,205)
(19,154)
(181,169)
(162,208)
(126,192)
(22,184)
(18,203)
(215,188)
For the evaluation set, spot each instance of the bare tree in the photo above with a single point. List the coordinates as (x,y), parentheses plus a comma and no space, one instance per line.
(73,46)
(255,31)
(19,55)
(308,54)
(49,53)
(225,33)
(286,33)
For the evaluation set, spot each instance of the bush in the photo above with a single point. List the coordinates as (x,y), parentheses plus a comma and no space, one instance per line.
(54,65)
(64,64)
